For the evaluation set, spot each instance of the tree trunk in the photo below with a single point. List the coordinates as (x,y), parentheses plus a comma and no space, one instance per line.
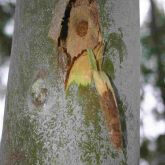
(43,123)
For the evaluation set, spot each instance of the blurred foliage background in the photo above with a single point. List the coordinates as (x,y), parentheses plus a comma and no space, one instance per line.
(6,16)
(153,76)
(152,149)
(6,28)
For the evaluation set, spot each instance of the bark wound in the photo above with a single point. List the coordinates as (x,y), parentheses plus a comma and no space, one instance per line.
(80,31)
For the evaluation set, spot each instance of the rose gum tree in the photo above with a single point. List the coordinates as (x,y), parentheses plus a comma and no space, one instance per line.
(43,123)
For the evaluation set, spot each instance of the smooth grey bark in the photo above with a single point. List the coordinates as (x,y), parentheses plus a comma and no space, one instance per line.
(44,126)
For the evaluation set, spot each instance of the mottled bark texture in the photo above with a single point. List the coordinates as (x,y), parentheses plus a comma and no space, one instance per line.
(43,124)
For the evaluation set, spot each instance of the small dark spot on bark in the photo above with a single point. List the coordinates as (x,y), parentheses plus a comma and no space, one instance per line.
(15,157)
(82,28)
(39,97)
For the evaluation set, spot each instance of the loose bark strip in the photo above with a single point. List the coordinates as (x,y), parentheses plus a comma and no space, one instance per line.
(111,115)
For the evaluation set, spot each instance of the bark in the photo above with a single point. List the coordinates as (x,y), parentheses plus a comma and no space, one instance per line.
(45,125)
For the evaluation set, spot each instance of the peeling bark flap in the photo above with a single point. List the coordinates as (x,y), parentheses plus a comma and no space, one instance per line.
(55,26)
